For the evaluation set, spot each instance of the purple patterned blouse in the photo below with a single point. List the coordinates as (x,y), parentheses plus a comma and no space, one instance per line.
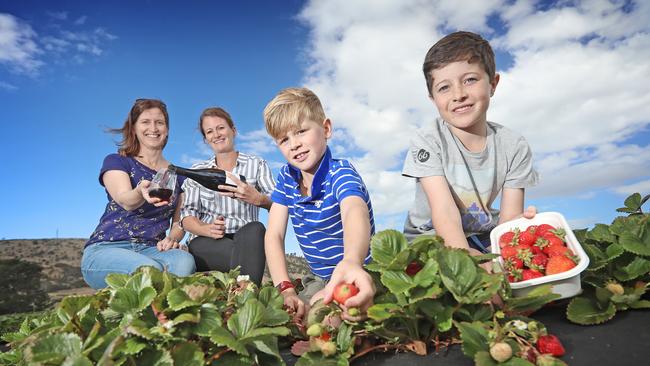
(146,224)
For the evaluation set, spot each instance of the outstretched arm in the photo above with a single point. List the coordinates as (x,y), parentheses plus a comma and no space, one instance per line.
(512,205)
(274,249)
(444,212)
(356,239)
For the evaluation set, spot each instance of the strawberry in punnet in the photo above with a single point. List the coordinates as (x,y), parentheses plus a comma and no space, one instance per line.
(559,264)
(558,250)
(514,275)
(538,262)
(509,238)
(413,268)
(529,274)
(513,263)
(508,252)
(528,236)
(344,291)
(541,229)
(550,344)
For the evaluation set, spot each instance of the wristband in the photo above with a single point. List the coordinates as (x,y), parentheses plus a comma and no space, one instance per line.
(284,285)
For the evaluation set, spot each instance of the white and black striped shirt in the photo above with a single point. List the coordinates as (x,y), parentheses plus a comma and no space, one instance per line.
(206,204)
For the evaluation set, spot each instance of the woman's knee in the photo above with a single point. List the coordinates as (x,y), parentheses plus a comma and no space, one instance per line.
(182,263)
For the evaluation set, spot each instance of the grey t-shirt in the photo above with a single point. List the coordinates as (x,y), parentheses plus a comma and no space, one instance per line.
(506,162)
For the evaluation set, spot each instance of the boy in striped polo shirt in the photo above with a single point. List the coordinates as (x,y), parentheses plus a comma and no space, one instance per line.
(327,202)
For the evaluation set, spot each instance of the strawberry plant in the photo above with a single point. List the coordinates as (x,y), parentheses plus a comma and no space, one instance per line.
(618,275)
(154,317)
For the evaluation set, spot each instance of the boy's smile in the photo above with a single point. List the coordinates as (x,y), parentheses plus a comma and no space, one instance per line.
(304,147)
(461,91)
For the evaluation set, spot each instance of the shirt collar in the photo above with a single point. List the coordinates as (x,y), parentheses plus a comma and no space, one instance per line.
(241,160)
(319,177)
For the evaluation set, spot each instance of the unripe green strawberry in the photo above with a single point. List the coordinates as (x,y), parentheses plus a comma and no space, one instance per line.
(328,348)
(314,330)
(501,351)
(615,288)
(353,312)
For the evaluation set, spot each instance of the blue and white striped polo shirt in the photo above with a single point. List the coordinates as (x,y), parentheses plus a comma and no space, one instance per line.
(316,219)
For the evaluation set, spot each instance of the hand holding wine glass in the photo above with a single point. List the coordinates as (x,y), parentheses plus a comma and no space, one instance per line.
(161,188)
(217,228)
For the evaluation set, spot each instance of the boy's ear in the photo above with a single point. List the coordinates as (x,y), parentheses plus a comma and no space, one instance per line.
(327,125)
(494,84)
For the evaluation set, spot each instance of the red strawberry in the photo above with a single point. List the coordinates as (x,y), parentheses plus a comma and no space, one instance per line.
(513,263)
(550,344)
(507,239)
(528,236)
(541,229)
(553,241)
(556,250)
(344,291)
(529,274)
(508,252)
(514,275)
(559,264)
(538,262)
(413,268)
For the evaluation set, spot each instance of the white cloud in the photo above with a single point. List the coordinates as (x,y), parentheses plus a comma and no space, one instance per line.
(6,86)
(256,142)
(25,51)
(18,47)
(81,20)
(642,187)
(575,89)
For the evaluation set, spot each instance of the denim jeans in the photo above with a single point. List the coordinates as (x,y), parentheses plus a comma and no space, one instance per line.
(102,258)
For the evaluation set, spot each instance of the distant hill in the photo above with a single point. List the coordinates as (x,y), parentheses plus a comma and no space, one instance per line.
(61,258)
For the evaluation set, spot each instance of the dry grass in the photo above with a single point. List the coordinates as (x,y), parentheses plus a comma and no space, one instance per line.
(61,258)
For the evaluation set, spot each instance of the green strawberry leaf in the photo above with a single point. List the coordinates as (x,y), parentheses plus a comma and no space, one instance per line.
(638,267)
(383,311)
(597,259)
(54,348)
(260,333)
(222,337)
(124,301)
(428,274)
(155,357)
(246,318)
(458,271)
(397,281)
(475,338)
(582,310)
(131,346)
(639,245)
(187,354)
(641,304)
(386,245)
(483,358)
(179,300)
(209,318)
(116,280)
(614,251)
(344,337)
(442,315)
(601,233)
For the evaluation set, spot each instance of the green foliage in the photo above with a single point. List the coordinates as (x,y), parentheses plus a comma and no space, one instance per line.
(449,296)
(22,280)
(156,318)
(618,275)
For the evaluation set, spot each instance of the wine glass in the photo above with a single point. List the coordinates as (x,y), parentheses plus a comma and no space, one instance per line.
(163,185)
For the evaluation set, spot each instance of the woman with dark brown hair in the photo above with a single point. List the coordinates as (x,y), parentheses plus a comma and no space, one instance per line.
(132,231)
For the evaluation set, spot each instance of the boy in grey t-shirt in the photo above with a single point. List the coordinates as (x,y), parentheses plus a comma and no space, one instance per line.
(461,162)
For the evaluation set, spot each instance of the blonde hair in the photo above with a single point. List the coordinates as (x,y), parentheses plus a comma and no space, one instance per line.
(289,109)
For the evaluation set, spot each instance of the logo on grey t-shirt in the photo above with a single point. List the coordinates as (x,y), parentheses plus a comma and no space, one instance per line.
(423,155)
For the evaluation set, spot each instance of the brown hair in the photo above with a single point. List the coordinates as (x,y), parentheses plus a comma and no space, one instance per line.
(130,146)
(290,108)
(215,112)
(459,46)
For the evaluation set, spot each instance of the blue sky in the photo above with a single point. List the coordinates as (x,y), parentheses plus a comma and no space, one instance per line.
(572,83)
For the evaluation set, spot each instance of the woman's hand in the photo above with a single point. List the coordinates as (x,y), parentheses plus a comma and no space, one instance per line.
(243,191)
(216,229)
(143,187)
(167,244)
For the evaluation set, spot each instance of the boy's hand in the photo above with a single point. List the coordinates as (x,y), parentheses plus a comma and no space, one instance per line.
(291,300)
(530,212)
(350,272)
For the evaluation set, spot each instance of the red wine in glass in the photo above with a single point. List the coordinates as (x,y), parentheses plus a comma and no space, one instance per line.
(163,193)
